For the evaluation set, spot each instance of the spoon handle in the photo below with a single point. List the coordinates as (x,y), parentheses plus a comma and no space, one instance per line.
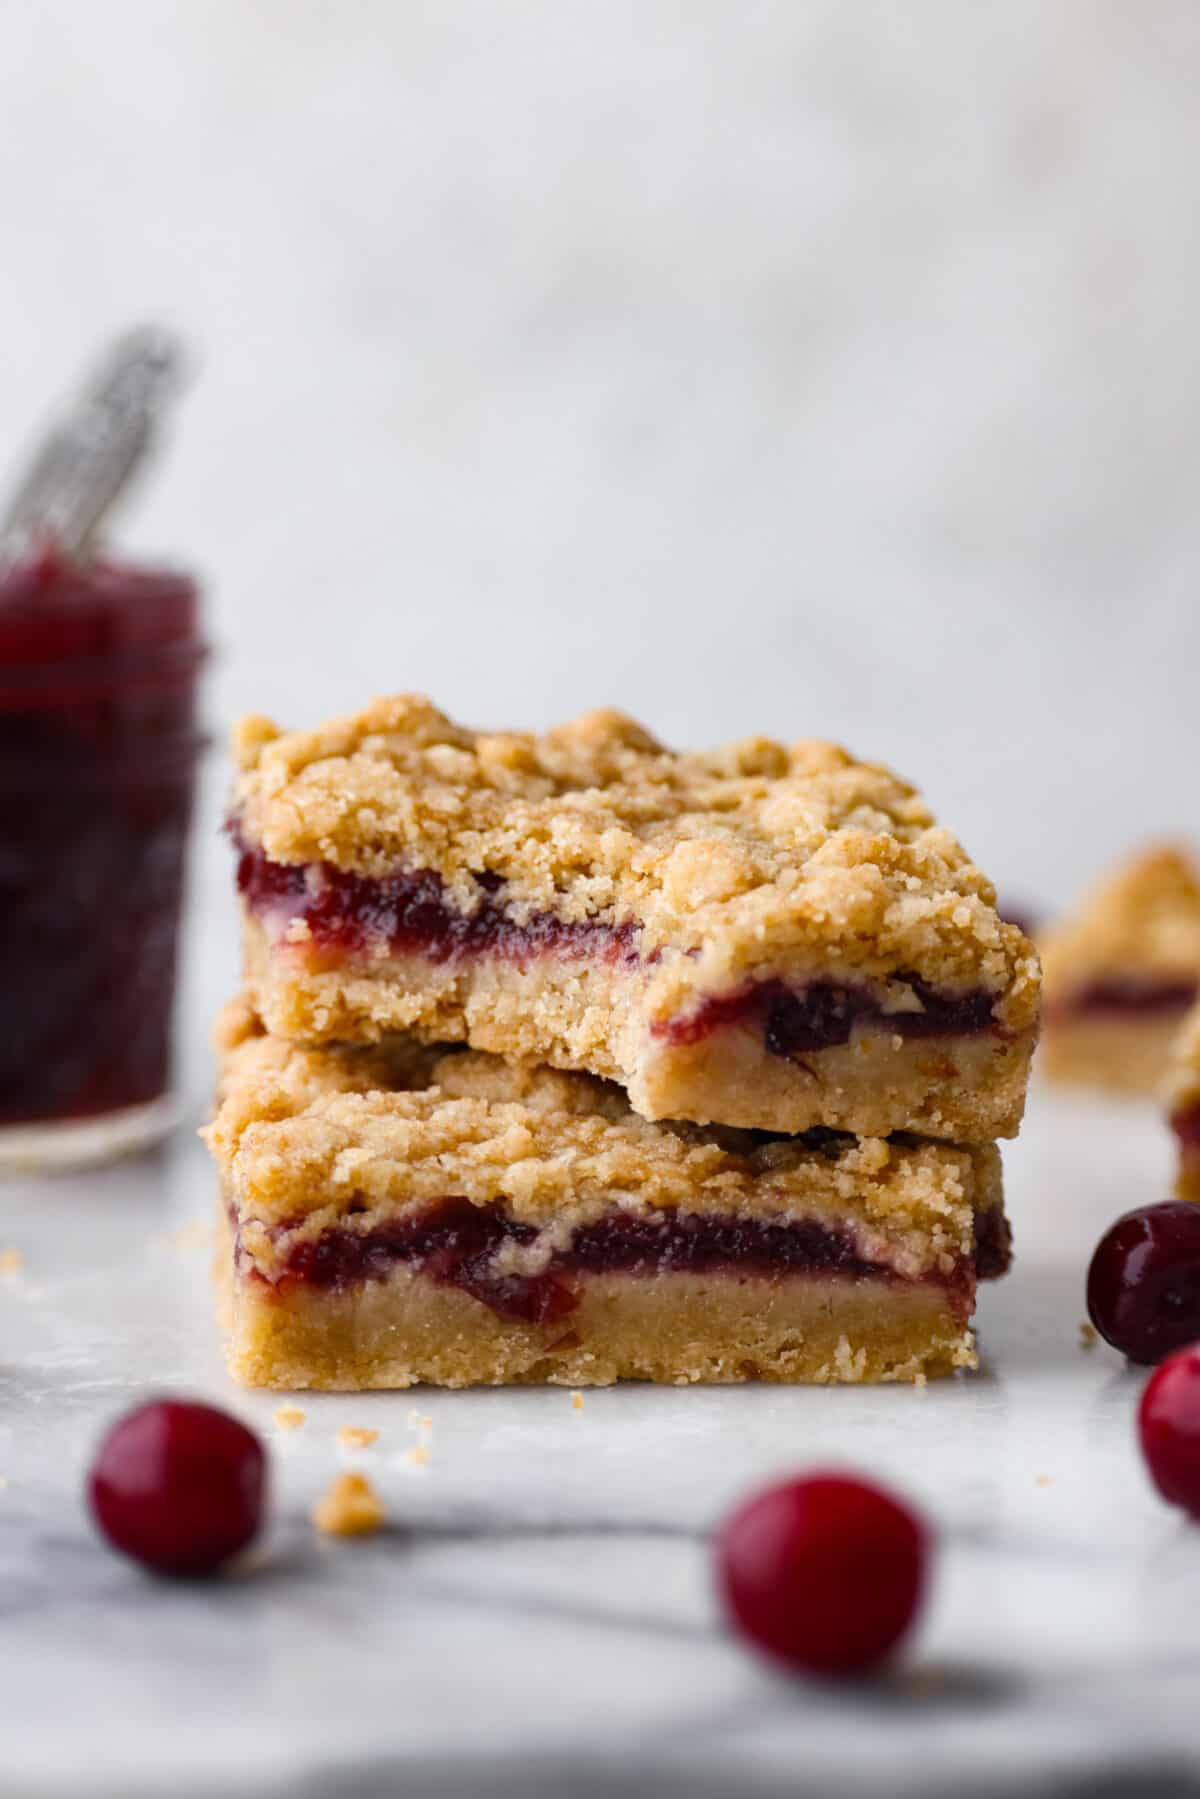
(91,452)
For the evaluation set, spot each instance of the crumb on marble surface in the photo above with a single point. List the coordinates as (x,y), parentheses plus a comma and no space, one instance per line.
(290,1417)
(351,1508)
(417,1456)
(357,1436)
(12,1261)
(577,1401)
(1042,1480)
(1088,1335)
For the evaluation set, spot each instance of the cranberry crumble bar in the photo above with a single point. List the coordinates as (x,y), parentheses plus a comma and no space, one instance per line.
(773,937)
(1183,1104)
(1121,974)
(397,1214)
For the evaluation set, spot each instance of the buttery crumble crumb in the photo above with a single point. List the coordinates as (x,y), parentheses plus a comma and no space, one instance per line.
(577,1401)
(290,1417)
(1088,1336)
(417,1456)
(357,1436)
(351,1508)
(11,1261)
(1042,1480)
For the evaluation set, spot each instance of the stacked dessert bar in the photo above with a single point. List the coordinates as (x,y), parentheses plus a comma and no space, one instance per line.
(1121,974)
(570,1058)
(1183,1104)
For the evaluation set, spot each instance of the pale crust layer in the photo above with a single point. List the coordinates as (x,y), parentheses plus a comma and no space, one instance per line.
(751,861)
(1181,1093)
(1120,1053)
(676,1329)
(967,1089)
(308,1139)
(1183,1078)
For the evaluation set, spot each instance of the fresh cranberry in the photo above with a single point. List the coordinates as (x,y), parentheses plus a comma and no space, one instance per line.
(824,1574)
(1169,1428)
(178,1486)
(1143,1287)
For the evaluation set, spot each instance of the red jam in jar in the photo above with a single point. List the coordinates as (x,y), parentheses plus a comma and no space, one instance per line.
(98,751)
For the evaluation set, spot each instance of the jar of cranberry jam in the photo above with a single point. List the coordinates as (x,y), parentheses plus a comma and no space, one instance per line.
(98,751)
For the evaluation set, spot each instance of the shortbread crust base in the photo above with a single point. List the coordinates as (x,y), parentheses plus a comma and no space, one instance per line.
(1115,1054)
(965,1089)
(676,1329)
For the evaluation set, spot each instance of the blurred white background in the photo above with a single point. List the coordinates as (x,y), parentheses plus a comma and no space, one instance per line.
(810,369)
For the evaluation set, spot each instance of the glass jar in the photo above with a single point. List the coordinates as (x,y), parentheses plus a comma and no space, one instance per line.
(98,751)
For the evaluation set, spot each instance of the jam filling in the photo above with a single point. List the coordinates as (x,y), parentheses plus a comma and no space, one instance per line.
(1128,994)
(823,1014)
(348,914)
(409,913)
(456,1243)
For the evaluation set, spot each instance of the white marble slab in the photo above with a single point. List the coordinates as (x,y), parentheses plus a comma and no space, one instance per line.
(540,1619)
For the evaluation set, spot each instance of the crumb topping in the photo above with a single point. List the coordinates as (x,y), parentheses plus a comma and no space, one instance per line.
(309,1139)
(1142,919)
(289,1417)
(357,1436)
(754,854)
(351,1508)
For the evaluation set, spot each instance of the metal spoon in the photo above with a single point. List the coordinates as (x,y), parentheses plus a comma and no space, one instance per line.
(92,451)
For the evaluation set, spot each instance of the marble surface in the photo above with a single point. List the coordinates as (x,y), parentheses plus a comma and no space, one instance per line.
(539,1619)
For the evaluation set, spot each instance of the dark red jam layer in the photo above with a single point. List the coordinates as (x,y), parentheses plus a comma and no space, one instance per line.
(1129,994)
(349,914)
(456,1243)
(822,1015)
(97,756)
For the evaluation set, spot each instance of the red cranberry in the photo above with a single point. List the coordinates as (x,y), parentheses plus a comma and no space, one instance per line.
(1169,1427)
(178,1486)
(1143,1288)
(824,1574)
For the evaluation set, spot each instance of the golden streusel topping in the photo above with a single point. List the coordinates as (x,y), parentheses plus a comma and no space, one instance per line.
(307,1138)
(750,851)
(1143,918)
